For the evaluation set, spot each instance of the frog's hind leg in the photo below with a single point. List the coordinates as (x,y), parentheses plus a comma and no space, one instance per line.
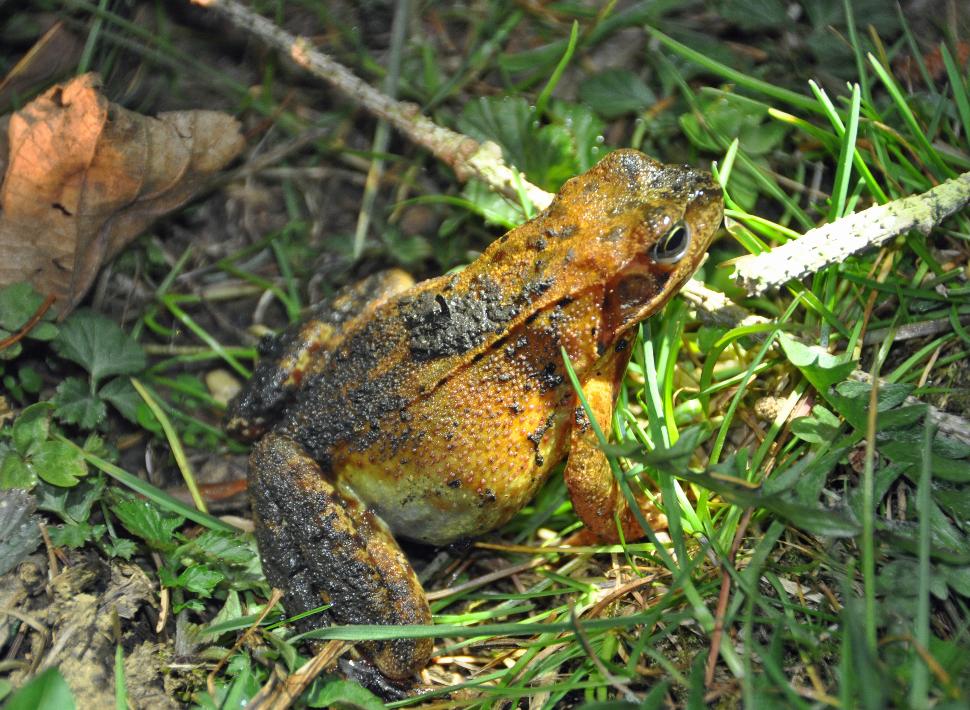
(321,545)
(595,494)
(286,360)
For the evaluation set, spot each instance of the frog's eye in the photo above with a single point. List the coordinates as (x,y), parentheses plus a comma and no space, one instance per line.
(672,246)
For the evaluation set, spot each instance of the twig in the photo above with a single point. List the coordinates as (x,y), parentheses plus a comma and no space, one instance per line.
(465,155)
(279,696)
(833,243)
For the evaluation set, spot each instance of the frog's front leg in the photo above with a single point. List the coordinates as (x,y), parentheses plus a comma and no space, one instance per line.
(320,545)
(595,494)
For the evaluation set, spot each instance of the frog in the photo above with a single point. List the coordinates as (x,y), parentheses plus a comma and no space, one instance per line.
(434,411)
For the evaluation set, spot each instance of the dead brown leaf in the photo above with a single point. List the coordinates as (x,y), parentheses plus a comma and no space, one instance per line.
(84,177)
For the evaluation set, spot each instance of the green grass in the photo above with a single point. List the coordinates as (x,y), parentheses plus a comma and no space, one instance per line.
(817,535)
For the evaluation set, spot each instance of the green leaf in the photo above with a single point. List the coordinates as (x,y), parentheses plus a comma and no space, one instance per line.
(75,536)
(120,547)
(30,379)
(490,206)
(344,695)
(586,131)
(72,505)
(32,427)
(193,604)
(123,396)
(18,303)
(97,344)
(821,427)
(956,577)
(544,153)
(47,691)
(15,473)
(819,367)
(889,395)
(145,520)
(59,463)
(199,579)
(226,547)
(76,405)
(615,92)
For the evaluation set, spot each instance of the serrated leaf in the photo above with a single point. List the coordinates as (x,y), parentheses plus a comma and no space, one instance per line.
(543,152)
(120,547)
(18,303)
(491,206)
(200,580)
(76,405)
(15,473)
(97,344)
(586,130)
(59,463)
(615,92)
(75,535)
(72,505)
(145,520)
(32,426)
(123,396)
(228,548)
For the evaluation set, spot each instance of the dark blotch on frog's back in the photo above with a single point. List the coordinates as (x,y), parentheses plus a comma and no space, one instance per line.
(440,325)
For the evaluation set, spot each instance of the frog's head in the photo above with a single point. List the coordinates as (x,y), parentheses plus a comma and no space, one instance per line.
(648,226)
(631,229)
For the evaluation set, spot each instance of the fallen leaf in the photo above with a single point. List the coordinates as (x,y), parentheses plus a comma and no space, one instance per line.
(83,177)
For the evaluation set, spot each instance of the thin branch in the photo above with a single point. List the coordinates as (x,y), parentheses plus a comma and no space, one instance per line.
(833,243)
(467,157)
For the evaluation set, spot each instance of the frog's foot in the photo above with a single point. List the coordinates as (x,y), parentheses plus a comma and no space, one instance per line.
(289,359)
(321,545)
(594,491)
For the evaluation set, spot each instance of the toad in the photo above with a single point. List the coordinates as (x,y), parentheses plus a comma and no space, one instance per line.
(434,411)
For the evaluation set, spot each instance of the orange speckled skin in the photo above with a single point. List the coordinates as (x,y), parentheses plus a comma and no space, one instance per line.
(443,406)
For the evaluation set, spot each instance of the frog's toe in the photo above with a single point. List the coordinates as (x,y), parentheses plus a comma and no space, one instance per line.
(326,546)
